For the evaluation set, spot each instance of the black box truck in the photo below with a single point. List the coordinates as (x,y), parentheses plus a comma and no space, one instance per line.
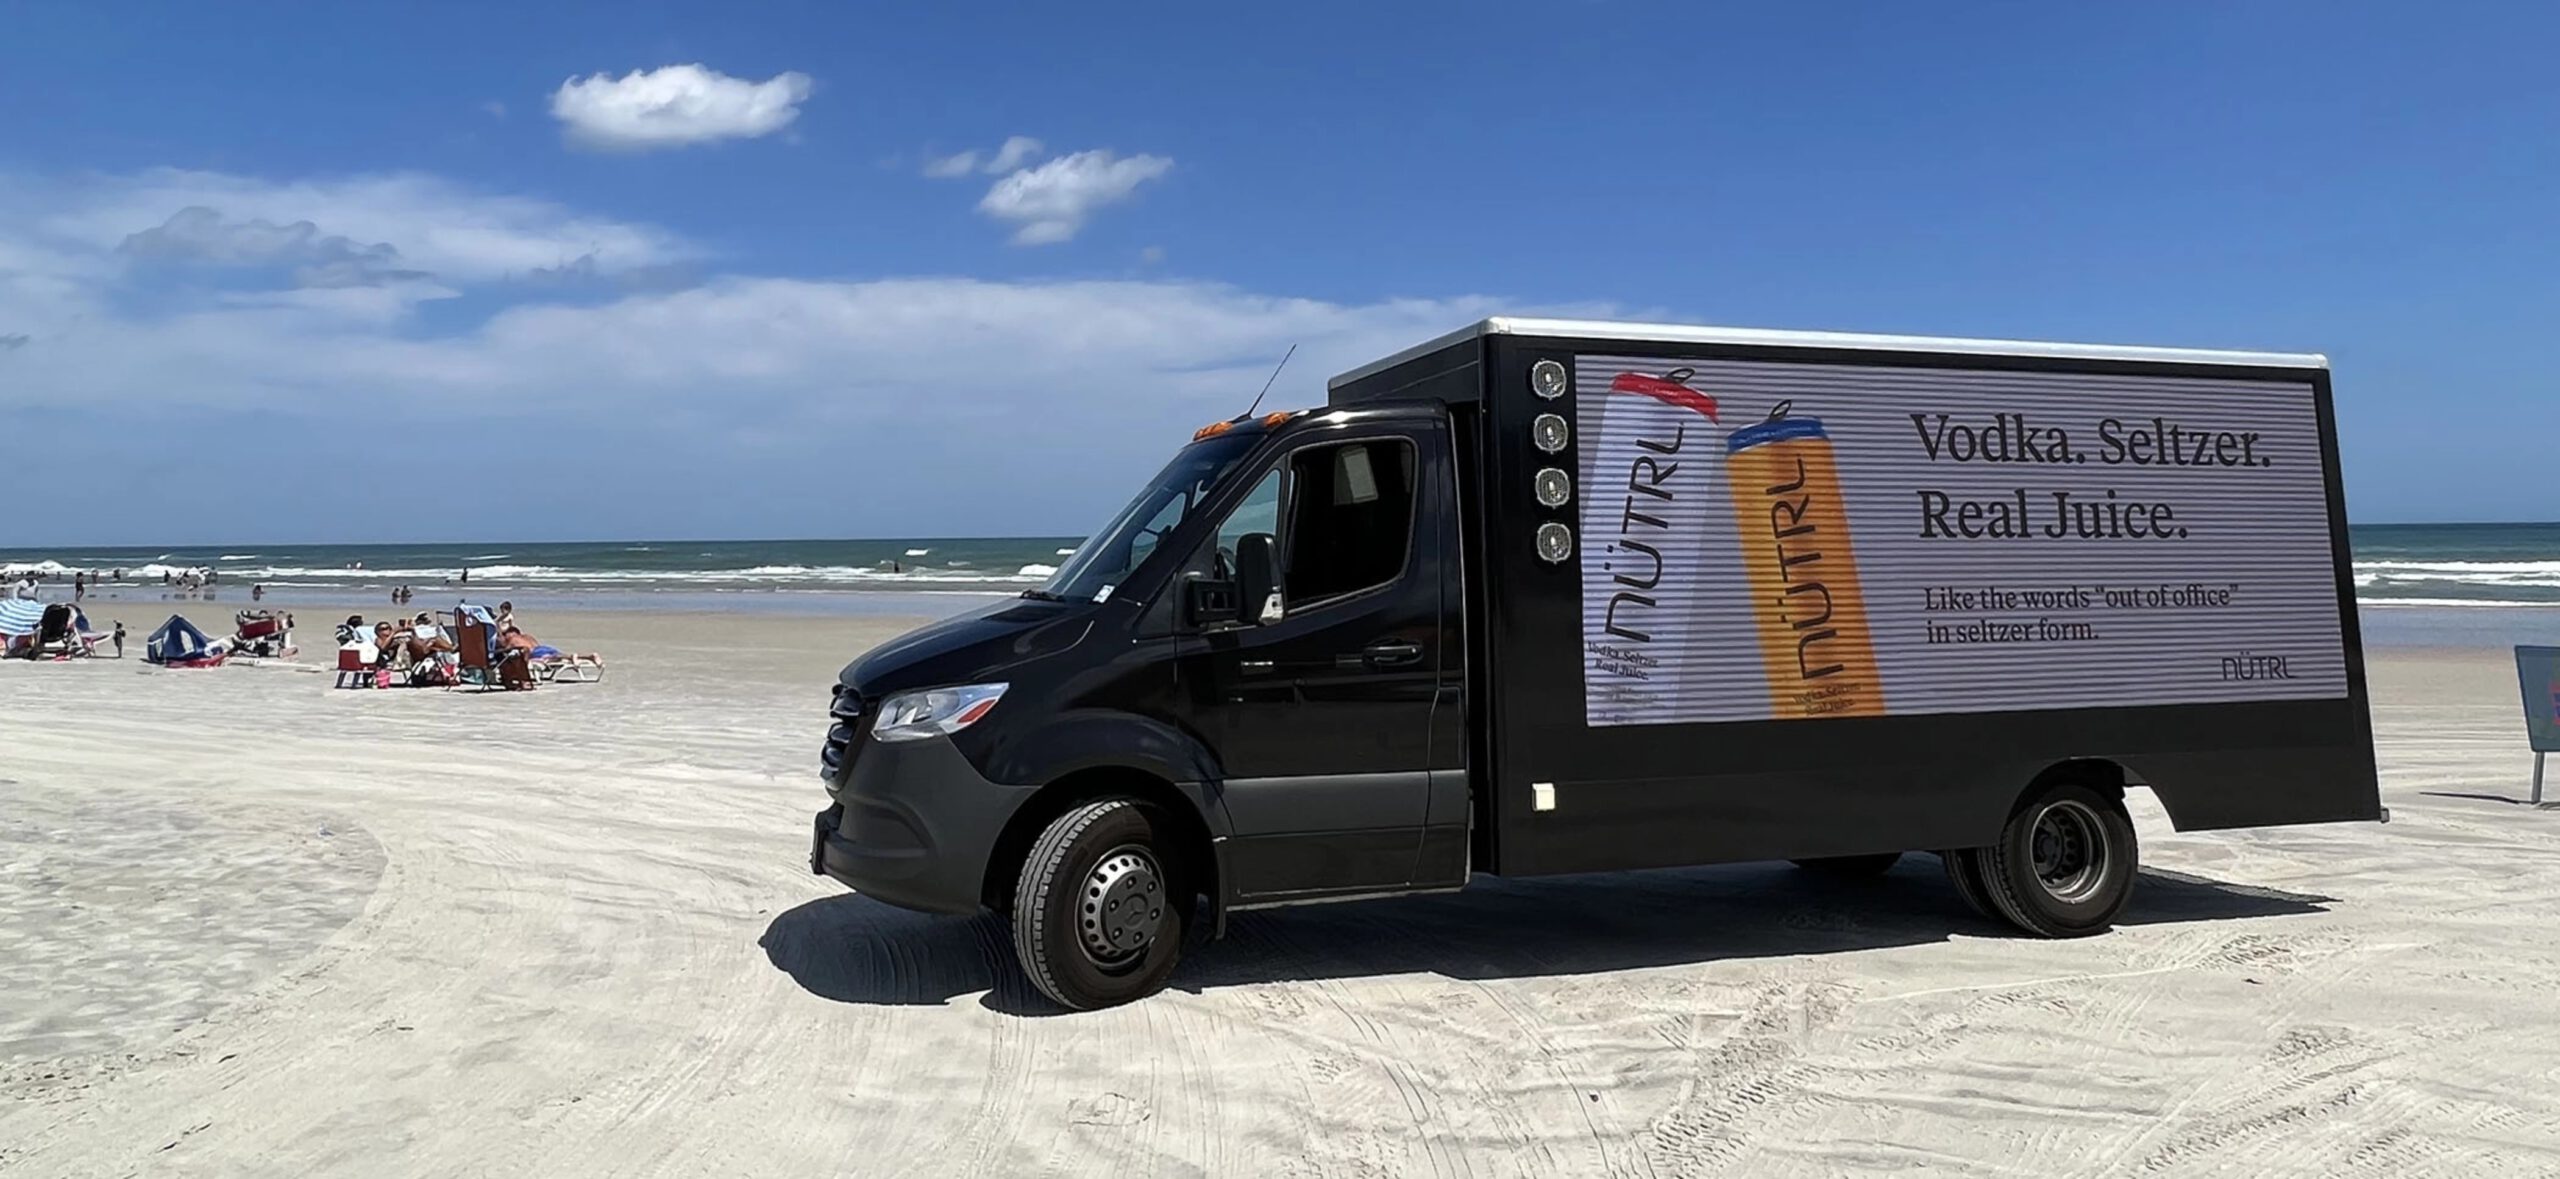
(1556,596)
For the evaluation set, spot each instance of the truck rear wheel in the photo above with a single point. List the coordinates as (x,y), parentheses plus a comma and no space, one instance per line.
(1099,914)
(1964,871)
(2065,864)
(1851,866)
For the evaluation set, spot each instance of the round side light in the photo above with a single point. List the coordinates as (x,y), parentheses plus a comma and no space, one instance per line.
(1555,543)
(1555,488)
(1550,432)
(1548,379)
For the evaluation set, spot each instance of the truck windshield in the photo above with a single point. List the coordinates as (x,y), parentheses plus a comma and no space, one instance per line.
(1106,560)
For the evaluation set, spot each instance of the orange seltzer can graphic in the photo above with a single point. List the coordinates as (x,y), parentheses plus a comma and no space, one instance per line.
(1802,572)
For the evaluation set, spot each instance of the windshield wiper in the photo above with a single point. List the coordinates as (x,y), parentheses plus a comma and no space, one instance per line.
(1041,595)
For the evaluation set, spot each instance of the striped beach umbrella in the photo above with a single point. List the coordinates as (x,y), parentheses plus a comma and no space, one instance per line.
(19,616)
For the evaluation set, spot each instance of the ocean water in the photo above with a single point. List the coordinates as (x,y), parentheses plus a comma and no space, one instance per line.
(2417,564)
(2458,564)
(2437,571)
(997,565)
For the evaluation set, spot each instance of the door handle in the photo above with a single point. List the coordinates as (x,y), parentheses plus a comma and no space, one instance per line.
(1255,667)
(1391,653)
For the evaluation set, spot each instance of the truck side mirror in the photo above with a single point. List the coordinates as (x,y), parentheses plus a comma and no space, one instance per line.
(1257,579)
(1208,601)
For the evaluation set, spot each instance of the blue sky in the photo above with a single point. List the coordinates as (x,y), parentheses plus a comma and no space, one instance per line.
(525,307)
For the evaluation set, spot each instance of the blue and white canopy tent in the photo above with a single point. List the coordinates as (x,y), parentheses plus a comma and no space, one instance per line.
(179,644)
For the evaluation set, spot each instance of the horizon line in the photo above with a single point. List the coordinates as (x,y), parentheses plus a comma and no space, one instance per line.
(21,548)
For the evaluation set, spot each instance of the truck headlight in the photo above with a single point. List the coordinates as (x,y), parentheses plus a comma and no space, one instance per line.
(914,716)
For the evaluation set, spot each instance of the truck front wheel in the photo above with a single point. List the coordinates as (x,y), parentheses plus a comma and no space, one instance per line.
(2065,864)
(1099,913)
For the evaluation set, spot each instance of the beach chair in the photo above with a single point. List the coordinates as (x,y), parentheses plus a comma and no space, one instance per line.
(483,663)
(262,634)
(560,667)
(61,632)
(354,670)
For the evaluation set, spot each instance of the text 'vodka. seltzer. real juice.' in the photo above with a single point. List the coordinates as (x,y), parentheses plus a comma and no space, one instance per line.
(1649,486)
(1803,573)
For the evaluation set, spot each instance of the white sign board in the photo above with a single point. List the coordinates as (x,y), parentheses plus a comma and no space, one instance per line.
(1768,540)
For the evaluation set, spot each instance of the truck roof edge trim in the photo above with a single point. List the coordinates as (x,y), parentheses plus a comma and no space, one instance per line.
(1665,333)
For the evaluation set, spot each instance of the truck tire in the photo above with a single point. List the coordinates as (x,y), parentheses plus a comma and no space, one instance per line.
(1851,867)
(1099,916)
(2065,864)
(1964,871)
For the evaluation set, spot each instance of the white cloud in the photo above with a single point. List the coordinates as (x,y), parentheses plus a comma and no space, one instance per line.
(950,166)
(1049,203)
(202,235)
(1016,151)
(1152,351)
(674,106)
(460,235)
(1159,352)
(917,380)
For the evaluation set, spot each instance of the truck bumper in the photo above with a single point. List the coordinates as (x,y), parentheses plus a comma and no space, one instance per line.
(913,825)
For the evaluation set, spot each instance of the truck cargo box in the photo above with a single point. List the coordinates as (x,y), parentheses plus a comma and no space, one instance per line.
(1747,595)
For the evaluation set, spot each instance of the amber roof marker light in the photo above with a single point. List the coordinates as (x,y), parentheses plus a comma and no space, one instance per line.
(1269,420)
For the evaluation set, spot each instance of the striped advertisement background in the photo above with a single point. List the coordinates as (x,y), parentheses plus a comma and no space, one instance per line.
(2258,532)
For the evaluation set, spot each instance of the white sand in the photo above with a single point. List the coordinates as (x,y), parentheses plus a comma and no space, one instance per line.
(250,925)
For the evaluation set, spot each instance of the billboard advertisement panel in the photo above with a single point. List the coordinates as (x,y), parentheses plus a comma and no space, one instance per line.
(1771,540)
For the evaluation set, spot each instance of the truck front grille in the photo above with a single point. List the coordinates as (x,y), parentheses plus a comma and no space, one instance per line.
(844,735)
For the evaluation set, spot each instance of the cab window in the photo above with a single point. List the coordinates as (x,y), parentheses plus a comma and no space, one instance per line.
(1259,512)
(1155,527)
(1349,519)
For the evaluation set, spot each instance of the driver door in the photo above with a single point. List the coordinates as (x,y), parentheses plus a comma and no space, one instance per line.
(1322,719)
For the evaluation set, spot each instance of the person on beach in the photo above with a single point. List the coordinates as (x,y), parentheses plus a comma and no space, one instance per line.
(514,639)
(425,630)
(506,617)
(402,646)
(118,638)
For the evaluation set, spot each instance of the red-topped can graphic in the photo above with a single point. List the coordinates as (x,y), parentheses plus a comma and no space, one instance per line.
(1651,447)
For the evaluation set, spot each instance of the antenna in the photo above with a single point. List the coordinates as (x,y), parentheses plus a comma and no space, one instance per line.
(1266,385)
